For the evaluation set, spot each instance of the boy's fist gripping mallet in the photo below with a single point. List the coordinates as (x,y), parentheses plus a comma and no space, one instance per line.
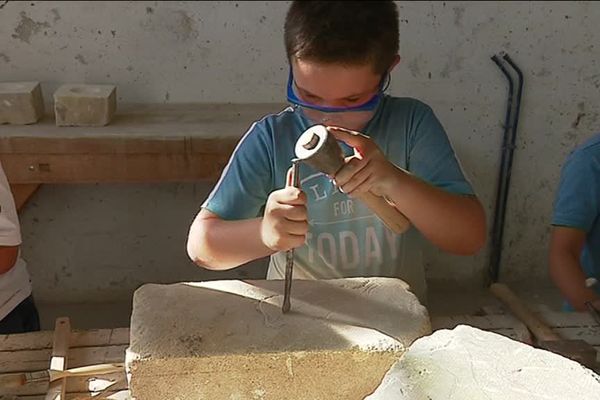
(320,150)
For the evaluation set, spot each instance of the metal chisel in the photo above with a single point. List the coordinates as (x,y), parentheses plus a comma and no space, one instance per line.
(293,180)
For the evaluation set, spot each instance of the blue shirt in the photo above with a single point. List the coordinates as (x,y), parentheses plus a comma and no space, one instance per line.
(345,238)
(577,203)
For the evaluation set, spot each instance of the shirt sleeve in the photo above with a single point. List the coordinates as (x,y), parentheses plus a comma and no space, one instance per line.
(431,156)
(578,196)
(10,231)
(247,180)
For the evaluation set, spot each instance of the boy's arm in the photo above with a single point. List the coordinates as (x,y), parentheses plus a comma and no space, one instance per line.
(218,244)
(565,269)
(455,223)
(8,257)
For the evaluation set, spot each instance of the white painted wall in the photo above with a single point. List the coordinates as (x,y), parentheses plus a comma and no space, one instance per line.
(99,242)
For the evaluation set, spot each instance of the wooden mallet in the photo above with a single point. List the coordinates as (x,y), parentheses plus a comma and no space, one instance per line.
(319,149)
(577,350)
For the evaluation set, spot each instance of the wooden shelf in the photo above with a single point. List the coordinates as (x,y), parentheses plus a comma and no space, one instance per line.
(144,143)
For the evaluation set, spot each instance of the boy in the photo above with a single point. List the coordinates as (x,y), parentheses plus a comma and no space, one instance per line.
(575,239)
(18,313)
(341,54)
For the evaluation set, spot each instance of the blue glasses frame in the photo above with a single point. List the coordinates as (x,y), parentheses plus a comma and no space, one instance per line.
(370,105)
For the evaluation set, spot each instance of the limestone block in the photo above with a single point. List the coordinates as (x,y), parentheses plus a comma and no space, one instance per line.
(21,103)
(469,363)
(230,340)
(85,105)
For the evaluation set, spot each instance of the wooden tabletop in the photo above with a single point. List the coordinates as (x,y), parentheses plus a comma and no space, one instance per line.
(144,143)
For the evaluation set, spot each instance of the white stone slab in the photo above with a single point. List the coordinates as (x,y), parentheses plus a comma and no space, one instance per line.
(468,363)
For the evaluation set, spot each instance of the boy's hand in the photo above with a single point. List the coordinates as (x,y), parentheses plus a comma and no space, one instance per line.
(368,170)
(285,223)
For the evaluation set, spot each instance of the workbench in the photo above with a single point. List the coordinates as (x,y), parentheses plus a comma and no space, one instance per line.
(32,351)
(144,143)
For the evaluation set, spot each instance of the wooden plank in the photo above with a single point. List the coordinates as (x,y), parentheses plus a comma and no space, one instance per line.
(81,338)
(92,145)
(31,352)
(22,193)
(118,395)
(36,360)
(145,143)
(589,334)
(138,121)
(552,317)
(60,349)
(103,168)
(27,341)
(568,319)
(89,385)
(220,146)
(117,145)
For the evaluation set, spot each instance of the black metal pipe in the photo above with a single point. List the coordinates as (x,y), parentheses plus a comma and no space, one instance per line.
(497,225)
(515,123)
(508,146)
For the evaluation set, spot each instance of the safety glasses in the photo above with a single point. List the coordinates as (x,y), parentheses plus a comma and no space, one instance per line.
(370,105)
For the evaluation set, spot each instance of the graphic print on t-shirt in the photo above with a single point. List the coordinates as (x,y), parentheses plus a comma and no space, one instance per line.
(344,234)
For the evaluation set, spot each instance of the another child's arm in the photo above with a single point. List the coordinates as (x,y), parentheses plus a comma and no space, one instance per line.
(10,234)
(565,269)
(576,207)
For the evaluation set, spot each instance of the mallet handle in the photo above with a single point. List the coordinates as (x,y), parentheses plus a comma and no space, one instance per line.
(389,215)
(536,325)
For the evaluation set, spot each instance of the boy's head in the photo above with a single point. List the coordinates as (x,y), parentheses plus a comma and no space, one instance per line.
(341,51)
(343,32)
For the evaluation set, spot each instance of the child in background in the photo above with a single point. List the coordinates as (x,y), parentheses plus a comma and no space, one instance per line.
(18,313)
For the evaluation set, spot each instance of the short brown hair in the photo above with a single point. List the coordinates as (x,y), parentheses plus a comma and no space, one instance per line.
(345,32)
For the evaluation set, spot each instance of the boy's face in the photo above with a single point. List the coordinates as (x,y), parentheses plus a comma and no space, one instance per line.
(335,85)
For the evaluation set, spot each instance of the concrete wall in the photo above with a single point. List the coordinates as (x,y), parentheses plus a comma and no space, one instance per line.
(99,242)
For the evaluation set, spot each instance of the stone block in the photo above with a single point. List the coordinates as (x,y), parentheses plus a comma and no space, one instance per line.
(85,105)
(230,340)
(469,363)
(21,103)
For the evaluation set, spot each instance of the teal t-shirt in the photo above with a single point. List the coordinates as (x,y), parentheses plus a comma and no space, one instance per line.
(577,203)
(345,238)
